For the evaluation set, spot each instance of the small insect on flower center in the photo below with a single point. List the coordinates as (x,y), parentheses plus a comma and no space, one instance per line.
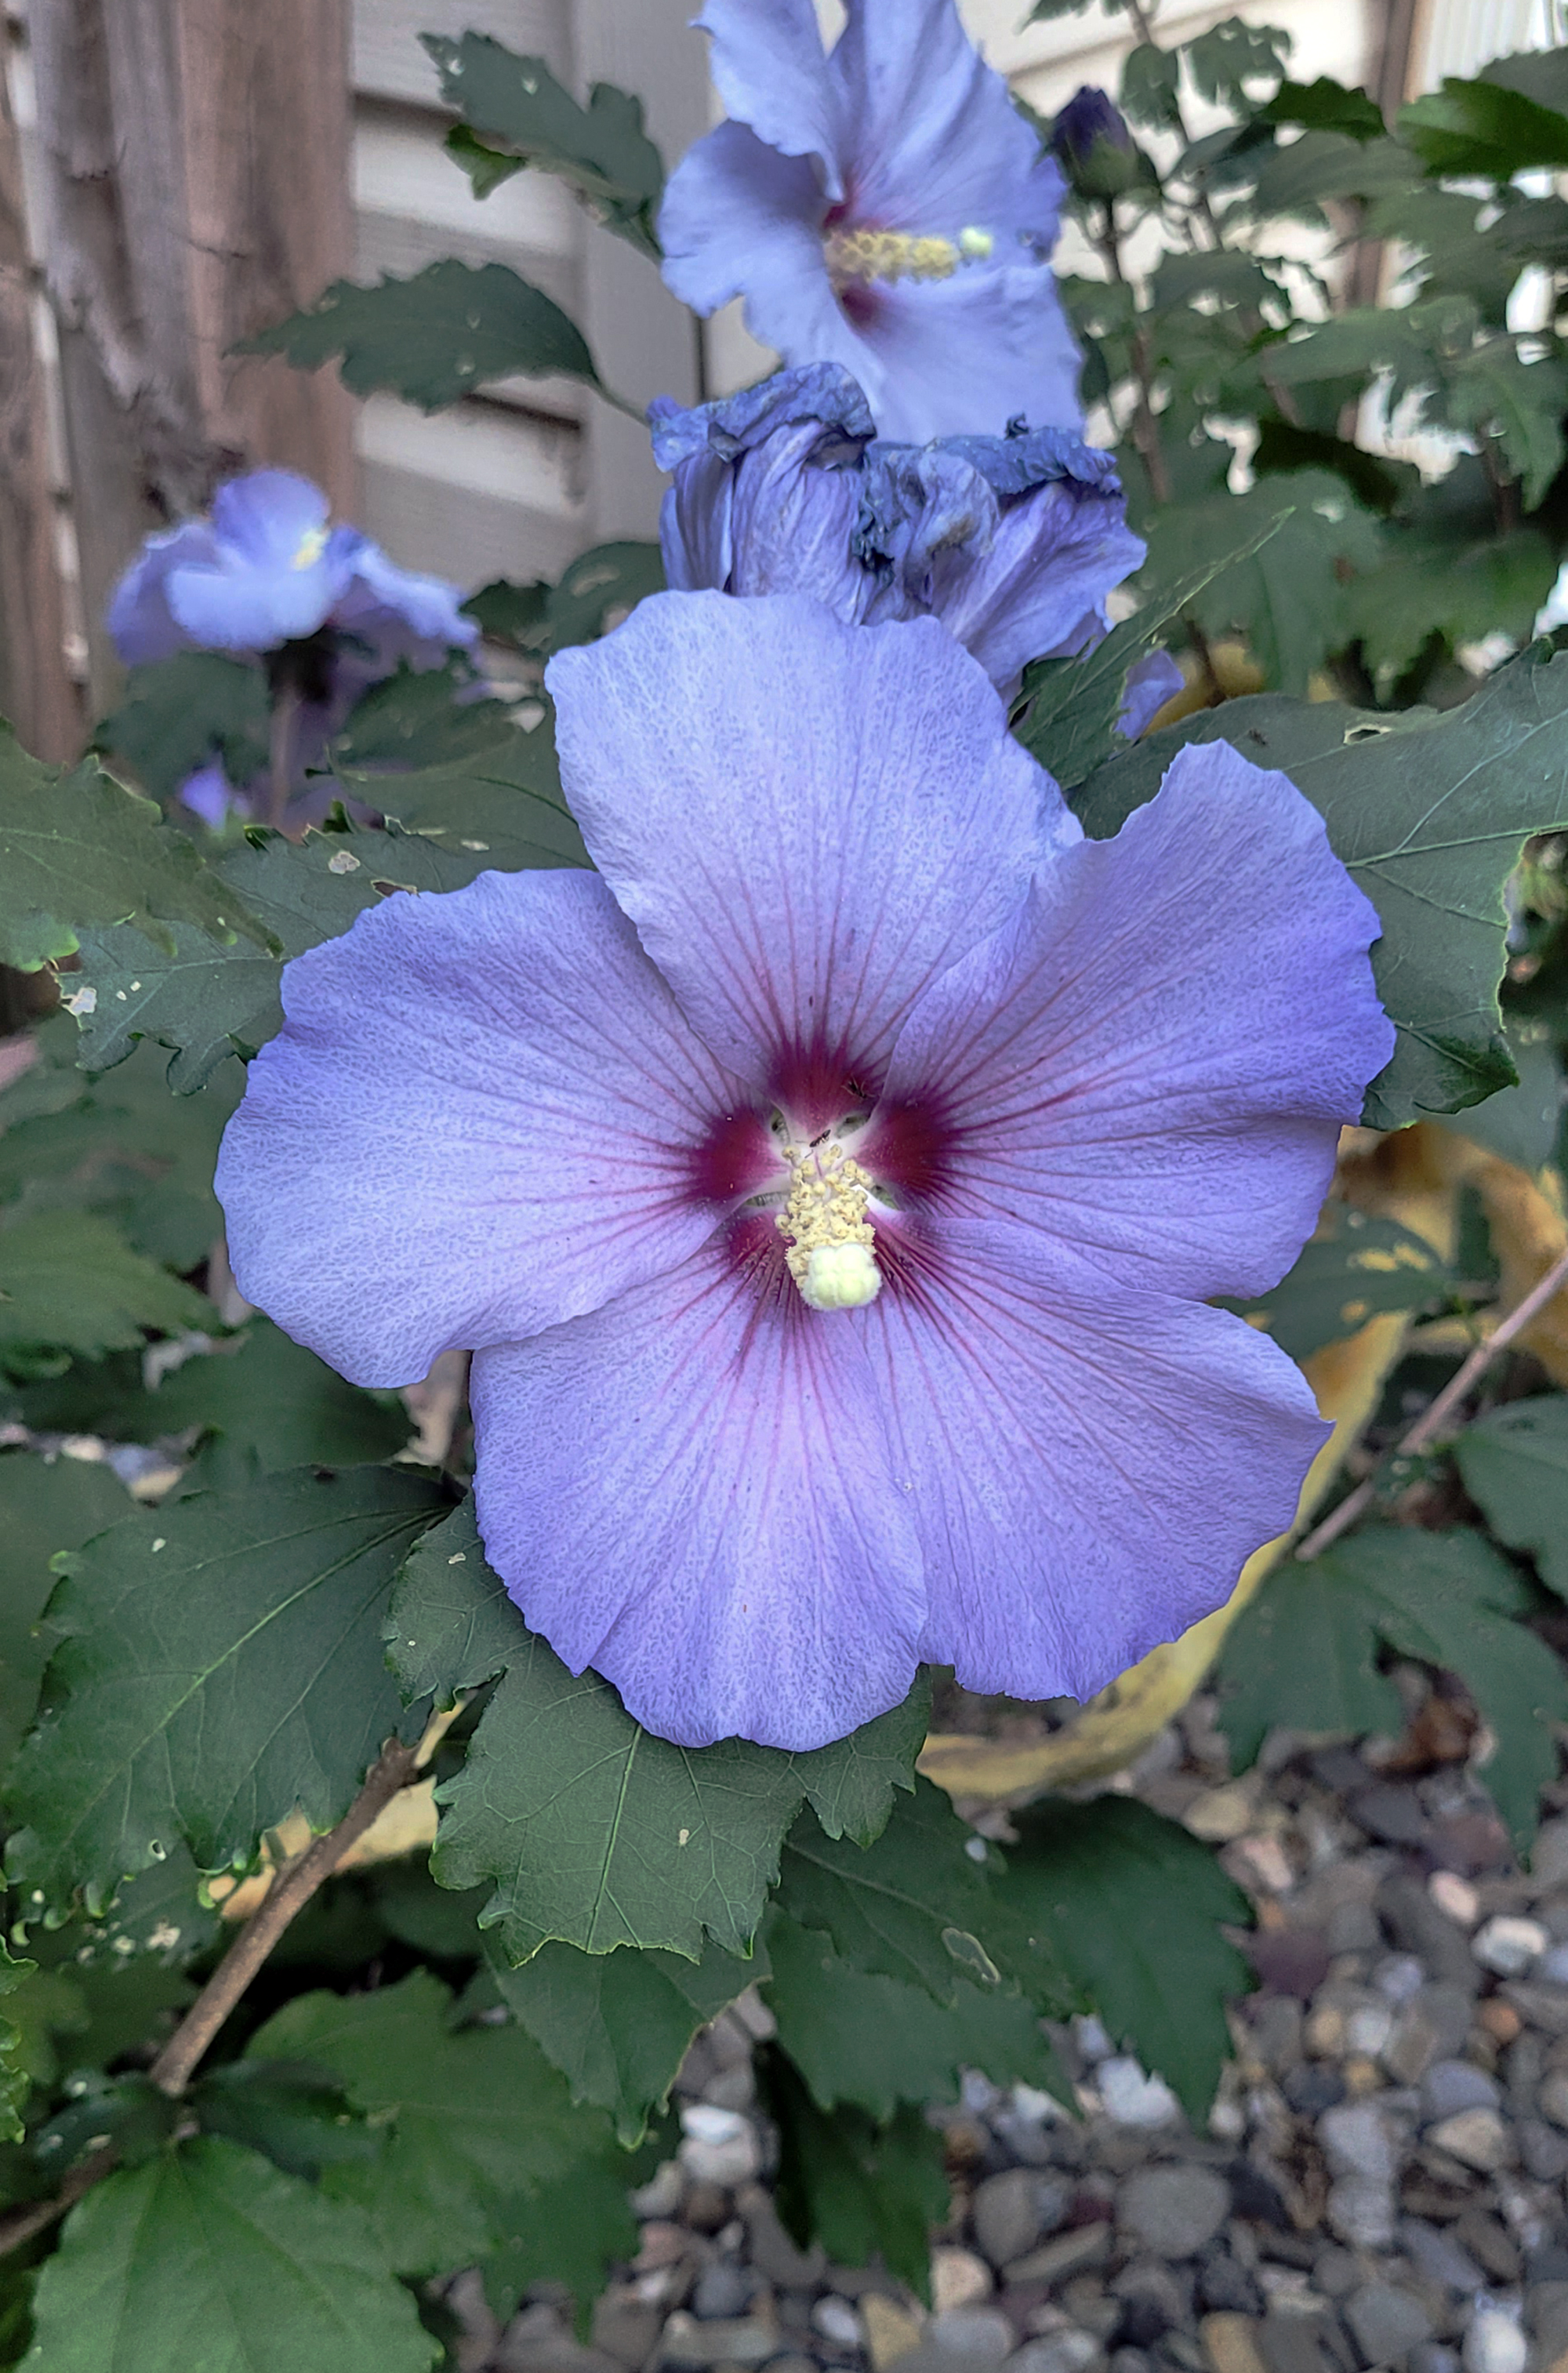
(867,255)
(312,544)
(828,1239)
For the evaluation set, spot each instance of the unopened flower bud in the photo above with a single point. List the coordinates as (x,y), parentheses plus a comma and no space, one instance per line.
(1092,144)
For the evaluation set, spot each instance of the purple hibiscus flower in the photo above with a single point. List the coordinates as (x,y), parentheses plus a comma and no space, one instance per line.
(832,1185)
(1014,543)
(266,569)
(884,207)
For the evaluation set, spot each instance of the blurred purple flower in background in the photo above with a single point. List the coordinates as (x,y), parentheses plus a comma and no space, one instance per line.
(266,569)
(1012,542)
(884,207)
(833,1186)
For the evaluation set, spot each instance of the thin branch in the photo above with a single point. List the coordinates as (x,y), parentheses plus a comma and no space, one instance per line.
(22,2224)
(295,1885)
(1432,1420)
(280,754)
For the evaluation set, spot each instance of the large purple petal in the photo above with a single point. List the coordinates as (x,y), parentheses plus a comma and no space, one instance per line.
(932,140)
(1089,1469)
(399,613)
(768,66)
(690,1492)
(807,822)
(952,358)
(1153,1062)
(139,617)
(1041,589)
(238,604)
(482,1116)
(792,525)
(269,515)
(739,219)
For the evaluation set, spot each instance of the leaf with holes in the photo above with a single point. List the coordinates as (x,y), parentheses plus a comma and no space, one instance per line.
(45,1507)
(434,338)
(1304,1653)
(1429,811)
(77,848)
(601,151)
(222,1664)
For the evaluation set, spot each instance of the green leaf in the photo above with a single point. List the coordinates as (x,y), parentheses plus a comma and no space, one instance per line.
(273,1400)
(594,1832)
(204,1000)
(178,713)
(434,338)
(1302,1653)
(916,1906)
(502,808)
(288,2111)
(617,2025)
(512,613)
(160,1915)
(1325,106)
(77,848)
(1151,88)
(1520,404)
(415,719)
(223,1664)
(864,2191)
(208,2259)
(70,1282)
(43,1507)
(1513,1463)
(13,2079)
(1541,75)
(1134,1906)
(601,151)
(1429,812)
(873,2041)
(1069,722)
(1482,131)
(1357,1265)
(474,2118)
(1462,592)
(570,2231)
(1287,597)
(1222,61)
(599,588)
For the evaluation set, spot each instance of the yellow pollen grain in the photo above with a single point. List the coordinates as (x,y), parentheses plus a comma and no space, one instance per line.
(829,1197)
(866,255)
(312,544)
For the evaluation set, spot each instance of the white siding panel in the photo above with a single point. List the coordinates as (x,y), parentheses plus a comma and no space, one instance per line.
(473,493)
(389,64)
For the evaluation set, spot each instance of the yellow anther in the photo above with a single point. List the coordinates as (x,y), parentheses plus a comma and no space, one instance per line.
(868,255)
(828,1236)
(312,544)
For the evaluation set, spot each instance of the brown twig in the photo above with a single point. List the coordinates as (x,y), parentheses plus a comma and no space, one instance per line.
(172,2070)
(280,753)
(1431,1421)
(22,2224)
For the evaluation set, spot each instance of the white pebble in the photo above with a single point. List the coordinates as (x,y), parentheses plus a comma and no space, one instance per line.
(1454,1898)
(1091,2037)
(720,2146)
(1495,2344)
(837,2321)
(1132,2098)
(1509,1945)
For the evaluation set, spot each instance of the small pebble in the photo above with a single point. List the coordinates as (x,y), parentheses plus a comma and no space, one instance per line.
(1173,2211)
(1387,2320)
(1454,1898)
(722,2289)
(1133,2098)
(1553,1965)
(1499,2019)
(1220,1814)
(838,2321)
(1478,2137)
(957,2279)
(1510,1948)
(890,2331)
(1450,2086)
(974,2336)
(1495,2344)
(1069,2351)
(720,2146)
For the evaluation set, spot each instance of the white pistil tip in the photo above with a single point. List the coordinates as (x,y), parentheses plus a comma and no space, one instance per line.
(974,243)
(841,1276)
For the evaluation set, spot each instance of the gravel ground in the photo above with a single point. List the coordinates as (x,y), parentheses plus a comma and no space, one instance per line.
(1382,2179)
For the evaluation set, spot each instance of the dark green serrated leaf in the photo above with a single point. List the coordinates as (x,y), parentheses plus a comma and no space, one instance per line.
(161,1914)
(223,1664)
(178,713)
(208,2259)
(70,1282)
(127,2115)
(1069,724)
(1357,1265)
(13,2077)
(204,1000)
(1222,61)
(1513,1462)
(1541,75)
(1302,1653)
(502,808)
(871,2040)
(417,718)
(474,2119)
(77,848)
(1518,403)
(433,338)
(1464,593)
(594,1832)
(1151,88)
(601,151)
(599,588)
(1481,130)
(916,1906)
(1325,106)
(569,2231)
(512,613)
(1429,812)
(861,2190)
(617,2025)
(288,2111)
(43,1507)
(268,1395)
(1133,1907)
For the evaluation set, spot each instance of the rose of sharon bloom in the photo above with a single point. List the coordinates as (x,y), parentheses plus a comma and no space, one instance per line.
(267,569)
(885,208)
(832,1185)
(1014,543)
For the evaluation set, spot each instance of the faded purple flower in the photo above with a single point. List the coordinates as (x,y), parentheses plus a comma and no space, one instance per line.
(267,569)
(1012,542)
(884,207)
(833,1186)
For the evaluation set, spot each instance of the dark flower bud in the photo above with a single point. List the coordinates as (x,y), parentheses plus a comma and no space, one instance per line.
(1092,144)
